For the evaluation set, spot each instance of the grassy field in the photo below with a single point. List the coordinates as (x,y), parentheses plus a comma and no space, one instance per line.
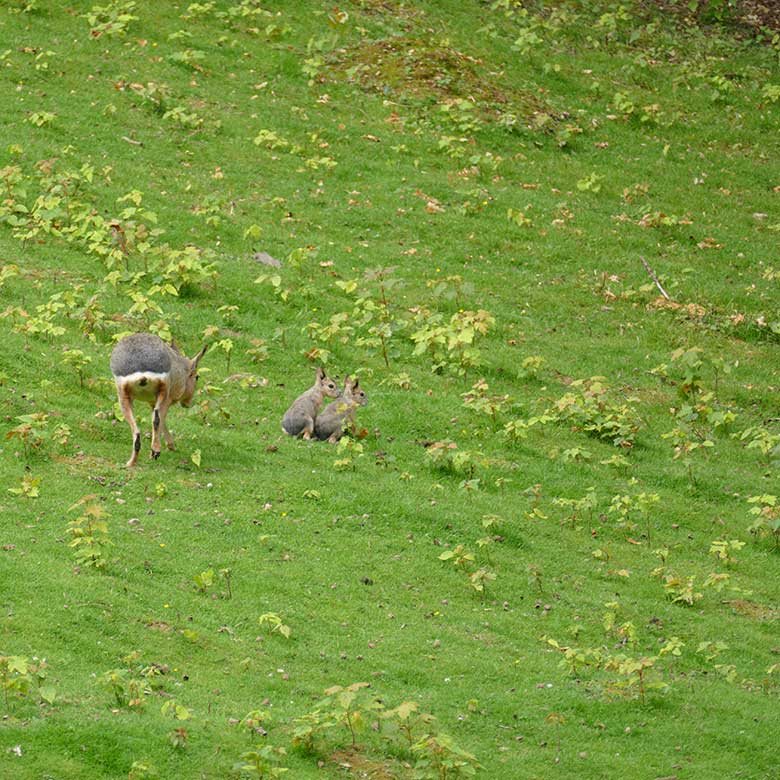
(539,550)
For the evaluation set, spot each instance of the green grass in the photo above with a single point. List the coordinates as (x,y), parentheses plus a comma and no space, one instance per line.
(354,568)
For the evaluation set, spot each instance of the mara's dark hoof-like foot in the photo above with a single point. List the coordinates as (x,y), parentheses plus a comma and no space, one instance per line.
(155,454)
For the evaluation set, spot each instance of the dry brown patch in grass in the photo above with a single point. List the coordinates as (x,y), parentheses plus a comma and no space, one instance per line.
(387,7)
(416,68)
(690,310)
(753,610)
(159,625)
(366,767)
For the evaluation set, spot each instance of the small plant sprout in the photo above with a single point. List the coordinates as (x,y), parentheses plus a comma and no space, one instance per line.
(535,578)
(173,709)
(450,288)
(635,674)
(480,578)
(686,445)
(253,722)
(766,510)
(602,554)
(226,345)
(673,647)
(142,770)
(402,381)
(226,575)
(534,492)
(493,524)
(445,456)
(407,718)
(258,352)
(681,590)
(89,533)
(78,360)
(591,183)
(42,118)
(557,720)
(469,486)
(179,738)
(711,650)
(204,580)
(228,312)
(627,507)
(439,757)
(274,624)
(110,19)
(577,507)
(724,549)
(484,544)
(261,763)
(459,555)
(483,402)
(576,455)
(382,283)
(20,675)
(575,660)
(253,232)
(32,431)
(520,217)
(451,344)
(764,441)
(127,691)
(349,450)
(718,581)
(531,366)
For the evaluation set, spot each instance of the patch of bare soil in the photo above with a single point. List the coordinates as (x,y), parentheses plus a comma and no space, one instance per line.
(753,610)
(365,767)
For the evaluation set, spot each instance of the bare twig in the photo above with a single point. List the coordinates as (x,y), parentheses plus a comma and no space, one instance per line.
(652,275)
(132,141)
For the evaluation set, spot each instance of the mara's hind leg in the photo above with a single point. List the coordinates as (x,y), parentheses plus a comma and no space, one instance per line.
(308,428)
(167,436)
(125,396)
(158,418)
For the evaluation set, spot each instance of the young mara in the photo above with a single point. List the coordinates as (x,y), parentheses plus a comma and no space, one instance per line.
(146,368)
(298,420)
(330,423)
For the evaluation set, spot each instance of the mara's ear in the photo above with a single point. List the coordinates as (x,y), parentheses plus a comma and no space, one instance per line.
(197,357)
(348,382)
(320,373)
(356,383)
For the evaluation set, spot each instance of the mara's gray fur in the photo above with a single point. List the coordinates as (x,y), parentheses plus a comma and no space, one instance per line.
(141,352)
(148,369)
(298,420)
(333,419)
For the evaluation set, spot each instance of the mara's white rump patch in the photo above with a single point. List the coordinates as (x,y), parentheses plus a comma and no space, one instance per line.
(138,376)
(142,385)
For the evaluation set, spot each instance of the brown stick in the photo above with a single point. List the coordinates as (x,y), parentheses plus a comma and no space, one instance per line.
(652,275)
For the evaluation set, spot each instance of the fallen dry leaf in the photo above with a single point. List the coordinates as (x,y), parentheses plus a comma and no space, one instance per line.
(709,243)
